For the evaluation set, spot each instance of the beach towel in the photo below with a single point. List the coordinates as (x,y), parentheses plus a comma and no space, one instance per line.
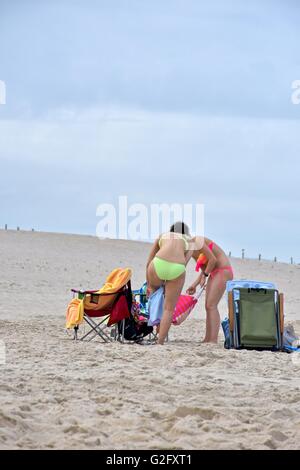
(156,306)
(117,279)
(119,312)
(74,315)
(248,284)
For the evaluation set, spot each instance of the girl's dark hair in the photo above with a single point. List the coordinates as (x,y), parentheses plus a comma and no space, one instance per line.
(180,227)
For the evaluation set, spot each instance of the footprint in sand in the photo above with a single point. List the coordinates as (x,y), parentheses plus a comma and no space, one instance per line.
(183,411)
(279,436)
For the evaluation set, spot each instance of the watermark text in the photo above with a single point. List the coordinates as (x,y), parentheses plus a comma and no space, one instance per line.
(143,222)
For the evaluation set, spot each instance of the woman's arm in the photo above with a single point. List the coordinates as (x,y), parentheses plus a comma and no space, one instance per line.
(211,259)
(188,256)
(207,269)
(201,279)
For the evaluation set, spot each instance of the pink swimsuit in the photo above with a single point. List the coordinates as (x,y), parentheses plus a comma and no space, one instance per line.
(202,261)
(221,270)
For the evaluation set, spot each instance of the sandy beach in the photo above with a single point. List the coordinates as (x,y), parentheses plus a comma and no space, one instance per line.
(58,394)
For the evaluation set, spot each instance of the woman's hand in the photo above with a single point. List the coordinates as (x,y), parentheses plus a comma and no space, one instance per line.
(191,290)
(202,280)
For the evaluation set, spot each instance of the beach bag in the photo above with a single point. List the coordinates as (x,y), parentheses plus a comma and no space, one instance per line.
(184,306)
(226,331)
(134,331)
(156,307)
(132,327)
(140,304)
(291,341)
(255,318)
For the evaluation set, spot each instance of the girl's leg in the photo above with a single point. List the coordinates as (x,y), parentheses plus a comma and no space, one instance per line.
(214,291)
(172,291)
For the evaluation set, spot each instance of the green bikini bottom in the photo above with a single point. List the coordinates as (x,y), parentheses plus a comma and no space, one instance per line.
(167,270)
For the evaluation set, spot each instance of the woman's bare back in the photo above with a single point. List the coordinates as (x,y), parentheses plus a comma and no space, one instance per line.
(172,248)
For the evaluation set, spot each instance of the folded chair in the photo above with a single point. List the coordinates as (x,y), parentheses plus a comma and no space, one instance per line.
(103,308)
(256,316)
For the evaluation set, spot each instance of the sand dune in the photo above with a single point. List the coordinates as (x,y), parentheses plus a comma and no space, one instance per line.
(55,393)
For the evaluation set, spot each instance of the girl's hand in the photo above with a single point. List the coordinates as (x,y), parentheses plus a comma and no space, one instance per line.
(191,290)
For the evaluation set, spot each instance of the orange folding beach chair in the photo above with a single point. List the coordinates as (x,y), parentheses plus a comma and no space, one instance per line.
(102,308)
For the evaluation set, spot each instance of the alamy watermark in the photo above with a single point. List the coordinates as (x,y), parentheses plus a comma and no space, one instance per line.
(143,222)
(2,353)
(2,92)
(295,97)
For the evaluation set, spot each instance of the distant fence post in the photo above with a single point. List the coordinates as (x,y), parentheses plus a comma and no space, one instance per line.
(5,226)
(243,253)
(292,261)
(259,257)
(275,259)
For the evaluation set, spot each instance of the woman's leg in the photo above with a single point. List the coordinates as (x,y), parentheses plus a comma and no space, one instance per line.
(215,289)
(153,281)
(172,291)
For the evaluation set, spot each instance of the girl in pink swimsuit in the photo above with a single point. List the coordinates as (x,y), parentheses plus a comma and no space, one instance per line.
(216,269)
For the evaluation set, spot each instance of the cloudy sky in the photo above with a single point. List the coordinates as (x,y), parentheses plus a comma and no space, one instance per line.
(164,101)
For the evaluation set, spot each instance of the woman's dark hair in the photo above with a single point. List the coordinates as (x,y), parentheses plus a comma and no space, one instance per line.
(180,227)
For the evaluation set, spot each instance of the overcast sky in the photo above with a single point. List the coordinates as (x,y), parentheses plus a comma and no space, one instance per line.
(163,101)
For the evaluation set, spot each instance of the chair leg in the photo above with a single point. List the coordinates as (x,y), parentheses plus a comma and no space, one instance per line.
(123,332)
(96,329)
(281,312)
(76,332)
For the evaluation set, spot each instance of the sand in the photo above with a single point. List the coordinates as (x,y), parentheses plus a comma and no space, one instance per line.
(58,394)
